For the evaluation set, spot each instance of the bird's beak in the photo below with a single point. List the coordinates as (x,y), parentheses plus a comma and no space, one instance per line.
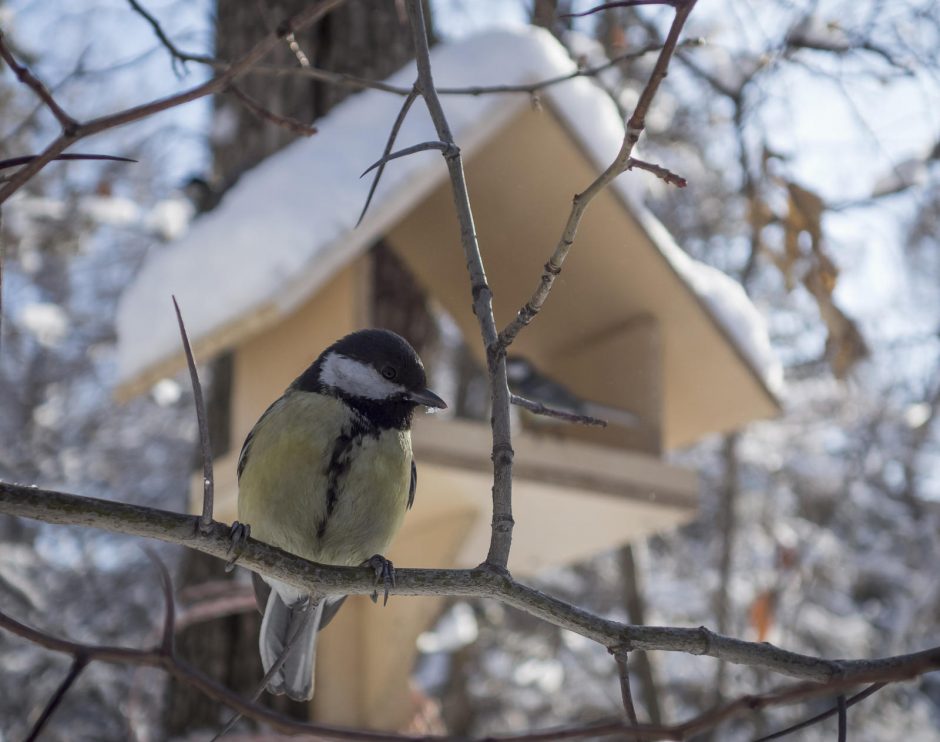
(427,398)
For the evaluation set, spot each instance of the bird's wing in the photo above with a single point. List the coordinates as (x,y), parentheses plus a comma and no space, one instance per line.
(283,485)
(246,446)
(413,487)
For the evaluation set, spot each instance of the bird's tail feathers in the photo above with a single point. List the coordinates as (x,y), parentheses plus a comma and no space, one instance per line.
(296,625)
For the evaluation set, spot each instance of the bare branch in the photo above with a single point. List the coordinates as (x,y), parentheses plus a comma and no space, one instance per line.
(834,675)
(85,653)
(328,76)
(26,159)
(623,673)
(659,171)
(285,122)
(135,520)
(623,4)
(634,128)
(176,54)
(501,537)
(858,697)
(71,134)
(79,663)
(538,408)
(168,643)
(535,87)
(843,718)
(42,92)
(360,83)
(414,149)
(208,480)
(392,136)
(798,41)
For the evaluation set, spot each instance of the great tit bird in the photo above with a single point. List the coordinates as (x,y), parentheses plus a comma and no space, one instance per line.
(327,474)
(526,380)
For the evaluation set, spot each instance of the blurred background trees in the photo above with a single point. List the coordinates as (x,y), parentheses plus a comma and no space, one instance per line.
(808,132)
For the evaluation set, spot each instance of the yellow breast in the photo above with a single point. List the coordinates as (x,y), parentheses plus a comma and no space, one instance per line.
(319,485)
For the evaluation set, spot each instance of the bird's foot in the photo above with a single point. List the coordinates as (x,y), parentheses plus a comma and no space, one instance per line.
(238,536)
(384,571)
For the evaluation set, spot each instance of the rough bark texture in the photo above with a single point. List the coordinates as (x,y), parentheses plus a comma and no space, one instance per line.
(363,38)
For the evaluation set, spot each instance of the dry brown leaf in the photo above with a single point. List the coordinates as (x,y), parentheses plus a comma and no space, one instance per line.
(761,614)
(806,211)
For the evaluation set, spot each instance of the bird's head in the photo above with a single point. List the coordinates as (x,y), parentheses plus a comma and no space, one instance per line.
(375,371)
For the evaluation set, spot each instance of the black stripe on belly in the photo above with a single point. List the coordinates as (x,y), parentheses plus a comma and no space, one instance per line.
(340,462)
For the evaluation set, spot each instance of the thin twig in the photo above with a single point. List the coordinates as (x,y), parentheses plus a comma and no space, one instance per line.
(178,56)
(501,533)
(359,83)
(392,136)
(79,663)
(659,171)
(804,41)
(26,159)
(626,695)
(362,83)
(622,4)
(342,79)
(634,128)
(42,92)
(538,408)
(413,149)
(285,122)
(168,641)
(858,697)
(71,134)
(208,479)
(842,707)
(534,87)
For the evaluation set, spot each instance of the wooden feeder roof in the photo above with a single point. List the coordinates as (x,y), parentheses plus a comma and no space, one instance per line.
(288,226)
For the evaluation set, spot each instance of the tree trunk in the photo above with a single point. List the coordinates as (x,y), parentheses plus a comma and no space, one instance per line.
(362,37)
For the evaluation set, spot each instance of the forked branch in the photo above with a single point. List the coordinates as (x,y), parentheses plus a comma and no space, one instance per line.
(502,524)
(623,161)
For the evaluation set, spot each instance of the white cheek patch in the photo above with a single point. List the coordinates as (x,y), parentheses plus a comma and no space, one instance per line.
(356,379)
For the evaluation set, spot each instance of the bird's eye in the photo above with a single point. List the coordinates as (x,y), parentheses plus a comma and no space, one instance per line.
(389,373)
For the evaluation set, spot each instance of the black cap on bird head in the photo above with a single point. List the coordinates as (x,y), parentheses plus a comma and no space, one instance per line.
(377,373)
